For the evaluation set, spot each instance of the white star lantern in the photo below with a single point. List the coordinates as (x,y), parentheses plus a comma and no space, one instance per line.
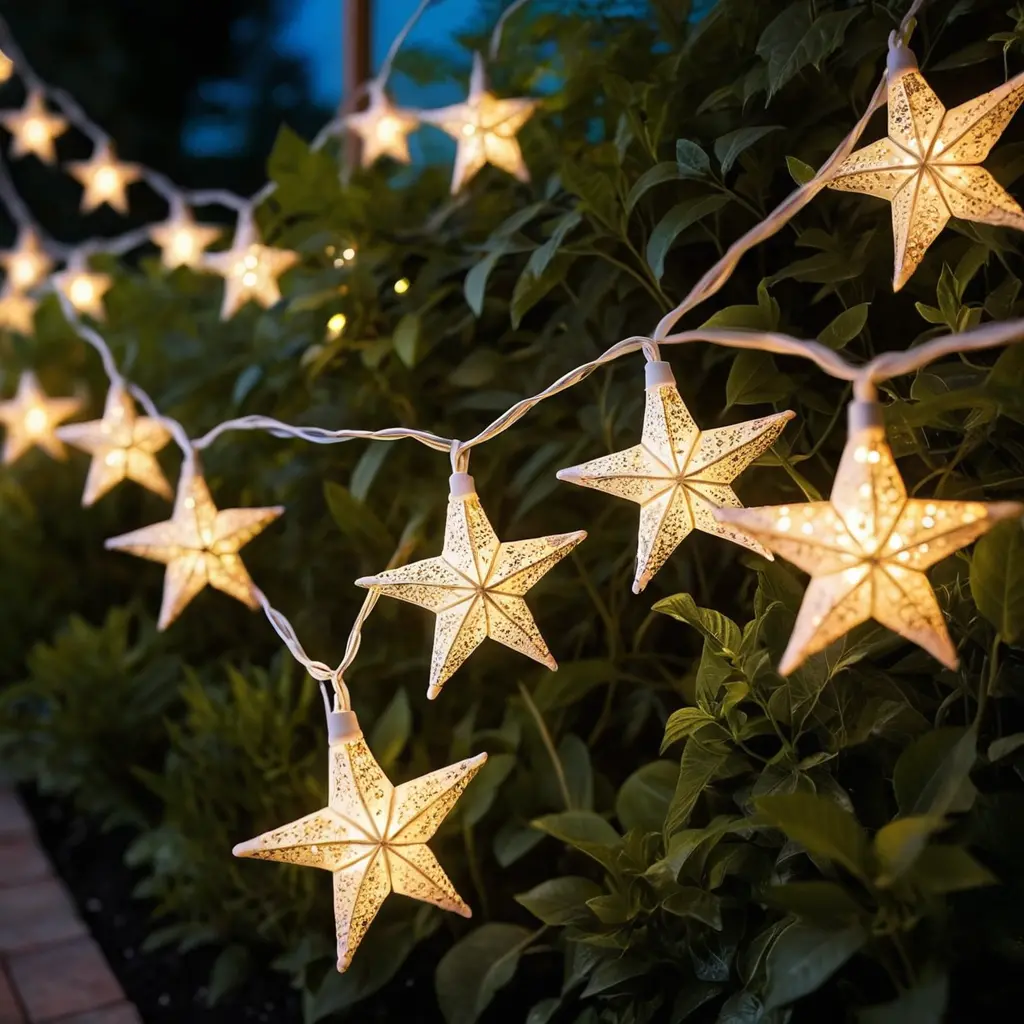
(383,128)
(250,272)
(33,129)
(867,547)
(105,179)
(31,419)
(484,128)
(84,289)
(182,241)
(27,264)
(372,835)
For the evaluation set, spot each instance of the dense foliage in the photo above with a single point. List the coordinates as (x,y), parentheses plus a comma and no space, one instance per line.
(666,829)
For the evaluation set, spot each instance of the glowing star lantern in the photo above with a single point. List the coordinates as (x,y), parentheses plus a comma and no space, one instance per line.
(199,545)
(372,836)
(17,311)
(122,446)
(476,586)
(27,264)
(382,128)
(105,180)
(85,290)
(33,129)
(678,474)
(31,418)
(182,241)
(484,128)
(6,67)
(867,547)
(928,166)
(250,273)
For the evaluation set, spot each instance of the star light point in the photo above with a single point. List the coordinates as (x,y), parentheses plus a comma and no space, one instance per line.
(123,446)
(34,129)
(85,289)
(867,547)
(182,240)
(27,264)
(31,419)
(372,835)
(17,310)
(929,165)
(199,544)
(678,474)
(105,179)
(476,585)
(484,128)
(383,129)
(250,272)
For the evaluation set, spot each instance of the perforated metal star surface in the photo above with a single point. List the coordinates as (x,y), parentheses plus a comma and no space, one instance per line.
(31,419)
(484,128)
(199,546)
(476,586)
(383,129)
(27,263)
(105,179)
(372,837)
(928,166)
(33,129)
(123,446)
(678,474)
(866,549)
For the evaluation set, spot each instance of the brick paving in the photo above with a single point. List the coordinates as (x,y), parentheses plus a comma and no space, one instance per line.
(51,971)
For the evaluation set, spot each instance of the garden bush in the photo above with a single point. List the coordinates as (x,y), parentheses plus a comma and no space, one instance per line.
(666,829)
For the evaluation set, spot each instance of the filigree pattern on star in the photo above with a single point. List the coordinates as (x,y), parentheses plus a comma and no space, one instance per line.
(372,836)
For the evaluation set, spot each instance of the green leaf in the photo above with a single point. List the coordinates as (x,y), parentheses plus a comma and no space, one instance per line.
(898,844)
(800,172)
(531,288)
(579,776)
(716,628)
(821,826)
(478,798)
(513,841)
(560,901)
(682,723)
(944,869)
(584,830)
(700,764)
(689,901)
(925,1003)
(691,160)
(643,798)
(406,338)
(542,1012)
(366,469)
(729,147)
(676,221)
(391,731)
(245,382)
(792,41)
(356,520)
(754,379)
(818,901)
(230,969)
(540,258)
(1004,746)
(656,175)
(475,284)
(997,579)
(931,776)
(471,972)
(614,972)
(804,957)
(477,369)
(845,327)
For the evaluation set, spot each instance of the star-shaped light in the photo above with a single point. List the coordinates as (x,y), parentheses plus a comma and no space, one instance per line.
(122,446)
(678,474)
(105,180)
(476,586)
(27,263)
(372,836)
(182,241)
(199,545)
(6,67)
(250,273)
(928,166)
(85,289)
(31,418)
(484,128)
(33,129)
(867,547)
(382,128)
(17,310)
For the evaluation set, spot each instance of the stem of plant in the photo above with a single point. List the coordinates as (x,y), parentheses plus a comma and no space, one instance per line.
(549,746)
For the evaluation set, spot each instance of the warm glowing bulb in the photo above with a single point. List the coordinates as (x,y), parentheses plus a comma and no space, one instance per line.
(6,67)
(36,420)
(387,129)
(35,131)
(401,286)
(468,129)
(336,324)
(81,292)
(115,457)
(249,279)
(107,180)
(349,253)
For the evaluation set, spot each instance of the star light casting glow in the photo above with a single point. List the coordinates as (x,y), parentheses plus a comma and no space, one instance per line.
(928,166)
(867,547)
(250,272)
(17,310)
(105,179)
(85,289)
(182,241)
(383,129)
(27,264)
(476,586)
(678,474)
(33,129)
(199,546)
(31,419)
(123,446)
(372,835)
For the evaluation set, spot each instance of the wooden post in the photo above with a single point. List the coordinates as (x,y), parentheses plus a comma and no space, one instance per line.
(356,63)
